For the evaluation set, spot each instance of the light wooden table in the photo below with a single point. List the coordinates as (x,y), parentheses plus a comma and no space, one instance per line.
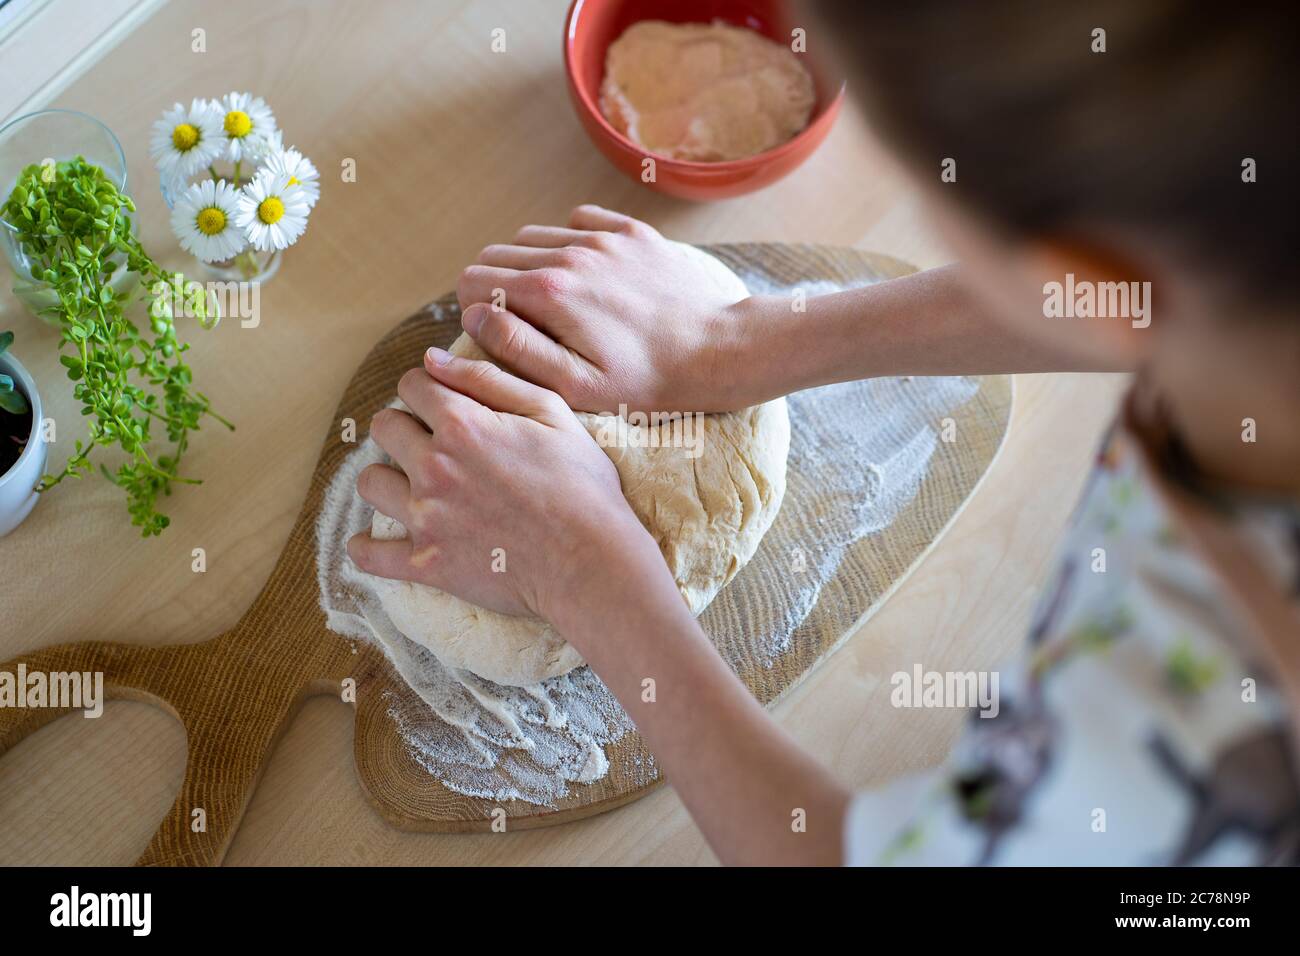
(455,147)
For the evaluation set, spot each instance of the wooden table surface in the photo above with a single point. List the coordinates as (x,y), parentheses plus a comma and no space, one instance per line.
(455,147)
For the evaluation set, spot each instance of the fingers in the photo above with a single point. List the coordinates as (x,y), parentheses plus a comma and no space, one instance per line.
(497,389)
(592,217)
(425,397)
(479,283)
(522,347)
(534,292)
(386,559)
(547,237)
(518,257)
(400,436)
(387,489)
(525,272)
(583,220)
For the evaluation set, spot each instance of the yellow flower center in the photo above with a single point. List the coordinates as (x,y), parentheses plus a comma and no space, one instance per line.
(185,137)
(293,181)
(238,124)
(270,210)
(210,221)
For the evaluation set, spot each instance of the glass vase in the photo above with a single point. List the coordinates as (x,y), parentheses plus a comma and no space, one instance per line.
(250,265)
(36,139)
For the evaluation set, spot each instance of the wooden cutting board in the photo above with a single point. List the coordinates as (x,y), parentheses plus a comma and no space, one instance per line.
(237,692)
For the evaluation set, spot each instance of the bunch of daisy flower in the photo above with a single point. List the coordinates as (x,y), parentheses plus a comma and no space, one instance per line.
(264,201)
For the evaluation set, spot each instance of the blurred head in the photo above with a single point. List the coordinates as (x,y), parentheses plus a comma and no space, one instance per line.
(1115,157)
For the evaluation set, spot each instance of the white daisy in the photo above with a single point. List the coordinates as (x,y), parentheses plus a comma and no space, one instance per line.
(249,126)
(204,221)
(272,213)
(300,170)
(186,141)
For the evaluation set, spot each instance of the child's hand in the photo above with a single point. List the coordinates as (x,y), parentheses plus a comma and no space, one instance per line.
(605,312)
(495,473)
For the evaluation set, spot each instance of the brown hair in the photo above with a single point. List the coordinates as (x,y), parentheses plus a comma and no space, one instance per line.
(1051,137)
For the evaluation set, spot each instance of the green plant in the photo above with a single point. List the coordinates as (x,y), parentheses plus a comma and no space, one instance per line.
(75,226)
(11,400)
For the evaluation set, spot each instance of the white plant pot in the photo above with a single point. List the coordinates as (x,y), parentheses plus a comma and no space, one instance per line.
(17,494)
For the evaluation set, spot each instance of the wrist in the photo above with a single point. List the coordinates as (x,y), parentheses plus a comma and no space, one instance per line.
(620,583)
(764,354)
(737,373)
(606,558)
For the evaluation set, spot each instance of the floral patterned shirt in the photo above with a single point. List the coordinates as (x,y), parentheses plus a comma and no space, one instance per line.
(1151,717)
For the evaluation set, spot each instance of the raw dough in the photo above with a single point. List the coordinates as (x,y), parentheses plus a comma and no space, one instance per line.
(704,92)
(708,514)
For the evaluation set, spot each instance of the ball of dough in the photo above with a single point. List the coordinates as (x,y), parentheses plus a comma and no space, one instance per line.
(506,649)
(707,504)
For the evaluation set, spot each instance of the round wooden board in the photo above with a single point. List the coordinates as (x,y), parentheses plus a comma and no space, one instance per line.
(404,792)
(236,693)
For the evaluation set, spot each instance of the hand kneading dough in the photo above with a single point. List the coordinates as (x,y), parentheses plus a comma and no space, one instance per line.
(708,514)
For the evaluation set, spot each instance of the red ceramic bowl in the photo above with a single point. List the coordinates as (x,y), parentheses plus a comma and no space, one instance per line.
(592,25)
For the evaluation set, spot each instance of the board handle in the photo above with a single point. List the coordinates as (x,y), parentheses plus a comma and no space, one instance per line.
(232,711)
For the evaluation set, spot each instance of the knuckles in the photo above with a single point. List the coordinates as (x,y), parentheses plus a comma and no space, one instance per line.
(596,242)
(507,338)
(549,284)
(432,477)
(454,429)
(479,372)
(583,254)
(636,229)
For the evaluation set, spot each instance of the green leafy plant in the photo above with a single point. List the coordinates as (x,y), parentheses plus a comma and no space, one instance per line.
(11,400)
(74,224)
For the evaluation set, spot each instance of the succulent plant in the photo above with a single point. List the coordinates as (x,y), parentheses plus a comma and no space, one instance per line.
(11,400)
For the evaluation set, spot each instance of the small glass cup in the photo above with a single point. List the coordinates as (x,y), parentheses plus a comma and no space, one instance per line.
(248,265)
(55,135)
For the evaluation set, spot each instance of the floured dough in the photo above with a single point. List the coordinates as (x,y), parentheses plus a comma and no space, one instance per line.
(704,92)
(707,512)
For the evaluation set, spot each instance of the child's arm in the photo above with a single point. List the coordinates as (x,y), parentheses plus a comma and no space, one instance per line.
(739,774)
(923,324)
(608,311)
